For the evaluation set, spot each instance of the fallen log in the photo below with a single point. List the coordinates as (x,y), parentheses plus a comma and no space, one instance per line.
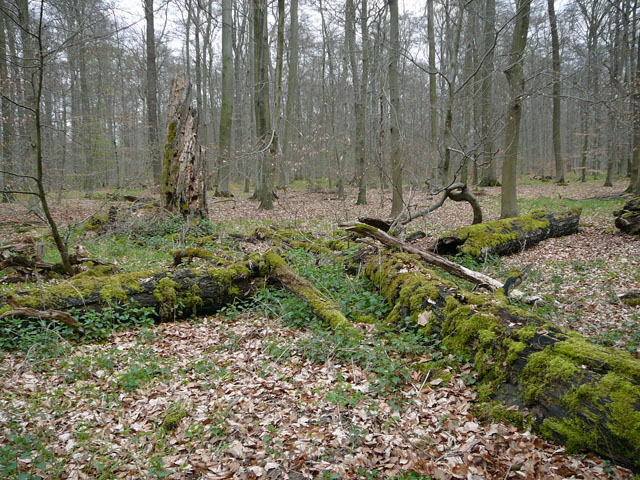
(628,219)
(509,235)
(181,292)
(26,312)
(580,394)
(478,278)
(323,307)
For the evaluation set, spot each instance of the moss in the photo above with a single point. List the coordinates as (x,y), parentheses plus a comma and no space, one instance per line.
(461,325)
(498,412)
(172,131)
(226,276)
(598,358)
(5,308)
(95,221)
(542,370)
(173,416)
(486,235)
(632,301)
(165,293)
(618,398)
(108,288)
(513,350)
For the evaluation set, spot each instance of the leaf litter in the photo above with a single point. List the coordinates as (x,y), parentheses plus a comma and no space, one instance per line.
(255,411)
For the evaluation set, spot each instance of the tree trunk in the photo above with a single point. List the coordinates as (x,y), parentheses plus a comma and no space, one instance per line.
(509,235)
(183,182)
(226,108)
(178,293)
(515,79)
(555,52)
(267,140)
(397,202)
(581,394)
(634,183)
(6,146)
(433,84)
(152,92)
(293,94)
(489,175)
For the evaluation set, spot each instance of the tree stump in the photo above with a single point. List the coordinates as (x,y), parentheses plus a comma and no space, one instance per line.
(628,219)
(183,179)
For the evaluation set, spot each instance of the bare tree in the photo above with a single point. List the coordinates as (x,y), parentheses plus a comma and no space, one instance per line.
(555,53)
(515,79)
(152,90)
(226,109)
(397,203)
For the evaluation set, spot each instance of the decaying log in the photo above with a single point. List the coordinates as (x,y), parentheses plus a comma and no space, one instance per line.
(325,308)
(581,394)
(628,219)
(501,237)
(460,271)
(172,294)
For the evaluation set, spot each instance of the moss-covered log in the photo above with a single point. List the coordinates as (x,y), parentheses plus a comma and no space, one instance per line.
(581,394)
(628,219)
(501,237)
(180,292)
(325,308)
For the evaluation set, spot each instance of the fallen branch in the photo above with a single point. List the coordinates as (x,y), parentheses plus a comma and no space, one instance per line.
(325,308)
(465,273)
(27,312)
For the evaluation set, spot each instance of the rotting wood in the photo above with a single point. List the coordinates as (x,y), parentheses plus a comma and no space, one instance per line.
(628,218)
(580,394)
(477,278)
(509,235)
(177,293)
(325,308)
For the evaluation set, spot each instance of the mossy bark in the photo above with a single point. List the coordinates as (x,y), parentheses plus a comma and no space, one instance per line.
(628,219)
(181,292)
(581,394)
(509,235)
(325,308)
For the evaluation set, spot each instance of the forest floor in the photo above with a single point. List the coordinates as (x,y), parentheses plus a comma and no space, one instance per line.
(245,394)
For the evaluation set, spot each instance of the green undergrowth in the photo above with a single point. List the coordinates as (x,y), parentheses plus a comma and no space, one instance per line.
(41,339)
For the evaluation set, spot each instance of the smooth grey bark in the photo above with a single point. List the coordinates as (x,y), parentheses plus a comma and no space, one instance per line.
(6,147)
(292,107)
(433,83)
(450,80)
(515,79)
(556,89)
(397,203)
(152,91)
(266,137)
(634,183)
(358,102)
(487,160)
(226,108)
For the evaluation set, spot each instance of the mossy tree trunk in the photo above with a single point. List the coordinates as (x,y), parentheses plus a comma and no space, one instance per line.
(581,394)
(508,235)
(173,294)
(183,183)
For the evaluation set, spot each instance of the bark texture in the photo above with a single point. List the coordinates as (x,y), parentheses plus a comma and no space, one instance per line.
(509,235)
(581,394)
(628,219)
(172,294)
(183,183)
